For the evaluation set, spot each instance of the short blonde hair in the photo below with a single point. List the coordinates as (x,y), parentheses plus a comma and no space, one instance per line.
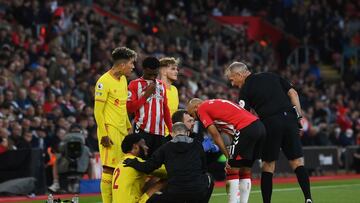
(169,61)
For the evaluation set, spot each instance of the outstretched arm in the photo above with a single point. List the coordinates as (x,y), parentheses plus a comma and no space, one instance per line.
(218,140)
(294,98)
(149,165)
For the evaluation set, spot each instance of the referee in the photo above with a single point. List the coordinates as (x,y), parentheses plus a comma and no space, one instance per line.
(277,103)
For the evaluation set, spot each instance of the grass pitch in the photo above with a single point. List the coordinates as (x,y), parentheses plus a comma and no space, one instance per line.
(339,191)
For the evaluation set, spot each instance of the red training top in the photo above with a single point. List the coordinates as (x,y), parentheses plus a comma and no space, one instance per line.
(225,115)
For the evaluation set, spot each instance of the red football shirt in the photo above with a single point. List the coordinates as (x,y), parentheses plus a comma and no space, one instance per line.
(225,115)
(152,113)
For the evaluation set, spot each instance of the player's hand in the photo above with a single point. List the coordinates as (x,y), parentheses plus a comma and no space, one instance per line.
(300,122)
(106,141)
(227,166)
(150,90)
(299,118)
(130,130)
(129,162)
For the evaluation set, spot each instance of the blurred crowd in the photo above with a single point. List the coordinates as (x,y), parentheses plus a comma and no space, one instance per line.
(47,73)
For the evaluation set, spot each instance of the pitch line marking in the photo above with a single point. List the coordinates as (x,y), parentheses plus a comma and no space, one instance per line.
(295,188)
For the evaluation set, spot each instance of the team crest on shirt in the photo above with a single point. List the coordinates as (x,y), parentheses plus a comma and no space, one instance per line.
(100,86)
(116,102)
(242,103)
(129,94)
(159,92)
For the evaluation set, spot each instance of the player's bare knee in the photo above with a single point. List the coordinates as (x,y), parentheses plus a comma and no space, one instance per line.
(296,162)
(268,166)
(244,170)
(244,173)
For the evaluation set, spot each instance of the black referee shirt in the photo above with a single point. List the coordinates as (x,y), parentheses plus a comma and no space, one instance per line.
(266,93)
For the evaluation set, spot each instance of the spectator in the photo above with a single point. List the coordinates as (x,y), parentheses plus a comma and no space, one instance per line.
(25,141)
(23,101)
(38,60)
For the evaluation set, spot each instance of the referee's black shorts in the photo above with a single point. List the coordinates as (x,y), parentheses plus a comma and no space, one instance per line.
(247,145)
(282,132)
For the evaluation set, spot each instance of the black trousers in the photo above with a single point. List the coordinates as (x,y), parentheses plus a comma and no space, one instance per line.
(171,197)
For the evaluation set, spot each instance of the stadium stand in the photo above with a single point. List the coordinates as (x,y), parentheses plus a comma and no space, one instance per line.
(52,53)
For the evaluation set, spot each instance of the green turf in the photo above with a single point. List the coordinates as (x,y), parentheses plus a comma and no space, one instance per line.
(344,191)
(323,192)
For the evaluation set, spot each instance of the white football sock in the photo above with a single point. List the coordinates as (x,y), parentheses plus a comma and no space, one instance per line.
(244,188)
(232,189)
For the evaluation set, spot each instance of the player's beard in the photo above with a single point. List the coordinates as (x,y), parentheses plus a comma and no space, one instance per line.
(142,153)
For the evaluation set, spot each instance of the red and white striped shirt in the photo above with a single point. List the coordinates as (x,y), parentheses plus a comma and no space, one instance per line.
(151,113)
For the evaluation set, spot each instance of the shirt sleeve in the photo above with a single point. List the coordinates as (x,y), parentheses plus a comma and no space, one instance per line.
(101,91)
(134,102)
(204,117)
(128,123)
(167,115)
(155,161)
(176,97)
(101,94)
(244,98)
(160,172)
(285,84)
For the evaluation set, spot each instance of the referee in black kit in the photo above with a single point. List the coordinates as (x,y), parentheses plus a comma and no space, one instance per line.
(277,104)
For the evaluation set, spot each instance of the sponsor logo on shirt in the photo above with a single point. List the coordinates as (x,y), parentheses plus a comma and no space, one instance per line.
(119,102)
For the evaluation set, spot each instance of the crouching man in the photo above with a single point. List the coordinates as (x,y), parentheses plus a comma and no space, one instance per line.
(184,160)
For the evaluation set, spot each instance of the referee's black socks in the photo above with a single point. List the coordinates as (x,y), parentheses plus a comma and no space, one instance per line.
(303,179)
(266,186)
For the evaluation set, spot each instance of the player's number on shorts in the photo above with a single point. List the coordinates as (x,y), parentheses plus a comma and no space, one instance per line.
(117,173)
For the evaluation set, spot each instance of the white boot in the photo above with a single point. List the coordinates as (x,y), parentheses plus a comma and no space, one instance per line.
(55,187)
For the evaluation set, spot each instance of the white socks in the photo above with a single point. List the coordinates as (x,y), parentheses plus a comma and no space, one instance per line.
(244,188)
(238,190)
(232,189)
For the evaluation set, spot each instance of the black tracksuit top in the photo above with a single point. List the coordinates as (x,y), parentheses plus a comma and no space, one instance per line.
(185,163)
